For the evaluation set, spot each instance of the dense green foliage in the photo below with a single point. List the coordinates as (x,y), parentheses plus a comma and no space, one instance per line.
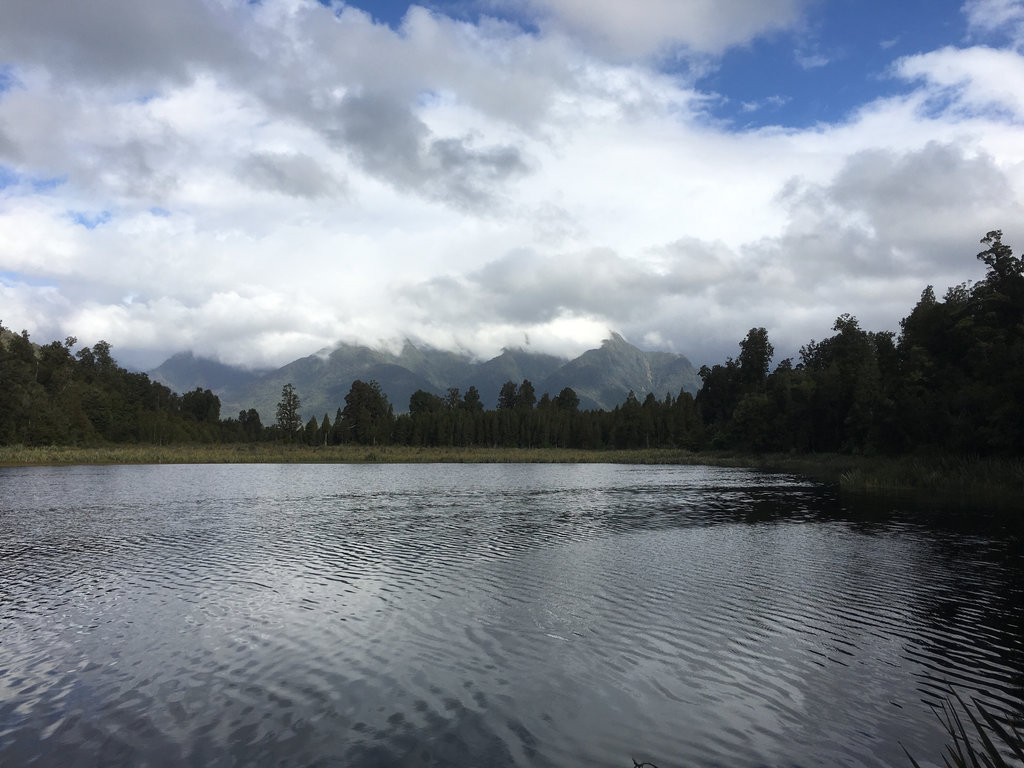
(952,381)
(48,395)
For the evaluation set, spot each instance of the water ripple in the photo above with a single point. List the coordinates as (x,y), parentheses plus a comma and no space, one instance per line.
(485,615)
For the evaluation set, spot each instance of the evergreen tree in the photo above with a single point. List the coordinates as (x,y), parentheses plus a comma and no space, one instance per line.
(252,427)
(567,400)
(507,396)
(526,397)
(471,401)
(338,429)
(755,356)
(289,420)
(309,434)
(452,398)
(367,414)
(323,435)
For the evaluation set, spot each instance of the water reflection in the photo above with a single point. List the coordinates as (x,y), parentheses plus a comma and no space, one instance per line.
(487,615)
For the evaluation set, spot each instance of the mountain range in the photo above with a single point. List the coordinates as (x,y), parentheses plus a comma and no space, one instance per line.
(601,377)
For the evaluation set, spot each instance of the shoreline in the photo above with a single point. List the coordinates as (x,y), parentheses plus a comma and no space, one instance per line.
(973,478)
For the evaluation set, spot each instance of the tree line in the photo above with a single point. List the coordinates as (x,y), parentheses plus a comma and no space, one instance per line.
(951,380)
(50,395)
(521,419)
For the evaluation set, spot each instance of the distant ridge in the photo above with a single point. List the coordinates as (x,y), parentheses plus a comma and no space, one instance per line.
(184,372)
(601,377)
(604,377)
(511,365)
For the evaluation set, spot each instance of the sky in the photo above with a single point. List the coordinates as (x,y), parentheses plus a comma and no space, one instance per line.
(256,181)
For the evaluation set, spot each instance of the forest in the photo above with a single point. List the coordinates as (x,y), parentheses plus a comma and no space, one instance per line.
(950,381)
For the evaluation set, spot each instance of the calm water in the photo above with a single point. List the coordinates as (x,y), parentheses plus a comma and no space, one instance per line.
(487,615)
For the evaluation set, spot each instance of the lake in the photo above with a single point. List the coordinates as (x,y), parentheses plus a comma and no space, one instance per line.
(489,615)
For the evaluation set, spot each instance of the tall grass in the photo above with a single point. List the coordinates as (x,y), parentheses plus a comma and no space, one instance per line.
(275,453)
(995,480)
(992,481)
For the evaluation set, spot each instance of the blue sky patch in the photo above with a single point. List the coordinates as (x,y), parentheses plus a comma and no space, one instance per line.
(824,73)
(43,185)
(391,12)
(7,78)
(17,278)
(839,59)
(8,177)
(89,220)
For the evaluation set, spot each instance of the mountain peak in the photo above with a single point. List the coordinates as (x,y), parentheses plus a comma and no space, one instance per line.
(615,340)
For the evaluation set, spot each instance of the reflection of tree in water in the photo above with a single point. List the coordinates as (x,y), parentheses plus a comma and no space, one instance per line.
(977,617)
(976,613)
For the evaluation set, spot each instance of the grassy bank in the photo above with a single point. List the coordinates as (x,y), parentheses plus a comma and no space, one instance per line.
(974,478)
(946,479)
(274,453)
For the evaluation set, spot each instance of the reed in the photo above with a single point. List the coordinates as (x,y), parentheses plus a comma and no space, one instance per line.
(989,741)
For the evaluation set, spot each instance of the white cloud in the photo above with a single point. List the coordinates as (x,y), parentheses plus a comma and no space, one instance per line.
(38,309)
(971,81)
(650,27)
(322,177)
(1002,17)
(771,102)
(139,43)
(812,60)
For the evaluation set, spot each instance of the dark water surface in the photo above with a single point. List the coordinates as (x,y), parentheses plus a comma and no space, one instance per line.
(487,615)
